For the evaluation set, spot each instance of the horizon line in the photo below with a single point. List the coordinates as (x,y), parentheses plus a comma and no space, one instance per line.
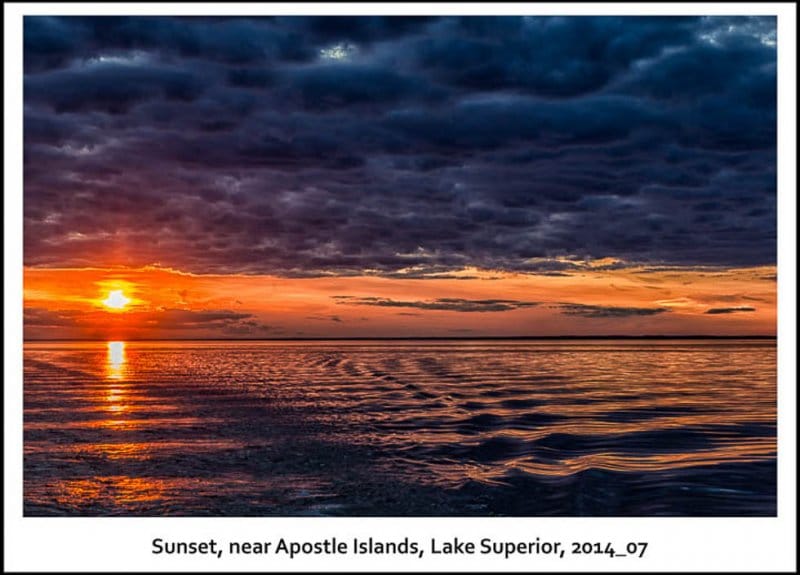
(417,338)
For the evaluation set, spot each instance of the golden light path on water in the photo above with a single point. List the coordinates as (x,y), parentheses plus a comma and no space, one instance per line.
(115,397)
(116,360)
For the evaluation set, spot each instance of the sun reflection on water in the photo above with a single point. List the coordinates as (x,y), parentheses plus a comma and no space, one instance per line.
(115,367)
(115,400)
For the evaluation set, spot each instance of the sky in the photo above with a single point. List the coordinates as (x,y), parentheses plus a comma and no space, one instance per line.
(399,176)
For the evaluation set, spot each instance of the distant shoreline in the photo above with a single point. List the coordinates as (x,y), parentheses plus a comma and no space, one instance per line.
(440,338)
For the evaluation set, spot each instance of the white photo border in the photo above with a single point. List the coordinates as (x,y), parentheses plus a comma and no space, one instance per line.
(675,544)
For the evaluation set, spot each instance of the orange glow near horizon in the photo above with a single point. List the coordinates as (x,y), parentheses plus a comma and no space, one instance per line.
(162,303)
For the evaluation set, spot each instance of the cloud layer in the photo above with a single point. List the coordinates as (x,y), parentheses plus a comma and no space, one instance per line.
(398,146)
(441,304)
(72,322)
(723,310)
(600,311)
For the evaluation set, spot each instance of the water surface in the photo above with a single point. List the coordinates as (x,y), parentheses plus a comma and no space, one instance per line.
(570,427)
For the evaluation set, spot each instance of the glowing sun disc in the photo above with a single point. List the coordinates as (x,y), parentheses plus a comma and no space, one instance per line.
(116,299)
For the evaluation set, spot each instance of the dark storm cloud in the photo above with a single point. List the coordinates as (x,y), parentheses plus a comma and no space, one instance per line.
(401,147)
(321,30)
(600,311)
(113,89)
(441,304)
(722,310)
(557,57)
(54,42)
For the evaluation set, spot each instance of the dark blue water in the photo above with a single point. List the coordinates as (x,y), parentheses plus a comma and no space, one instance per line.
(567,428)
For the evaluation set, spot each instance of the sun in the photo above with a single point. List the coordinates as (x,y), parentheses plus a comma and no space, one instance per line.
(116,299)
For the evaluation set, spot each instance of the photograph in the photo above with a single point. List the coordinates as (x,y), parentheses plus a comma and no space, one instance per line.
(312,265)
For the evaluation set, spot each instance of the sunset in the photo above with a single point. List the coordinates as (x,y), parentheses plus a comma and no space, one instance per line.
(400,266)
(116,300)
(238,188)
(592,299)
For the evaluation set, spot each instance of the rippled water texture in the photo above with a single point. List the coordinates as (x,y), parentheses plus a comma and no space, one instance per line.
(401,428)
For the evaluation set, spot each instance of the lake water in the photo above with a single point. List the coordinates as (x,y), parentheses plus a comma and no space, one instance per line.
(401,428)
